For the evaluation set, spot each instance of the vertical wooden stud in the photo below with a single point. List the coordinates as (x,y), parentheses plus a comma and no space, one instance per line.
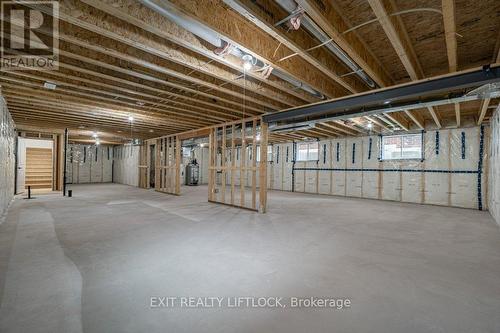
(263,167)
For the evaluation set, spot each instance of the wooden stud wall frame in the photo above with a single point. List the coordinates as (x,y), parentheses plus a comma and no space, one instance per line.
(233,164)
(168,165)
(144,166)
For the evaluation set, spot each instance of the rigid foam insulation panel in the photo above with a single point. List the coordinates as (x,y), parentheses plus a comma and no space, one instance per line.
(107,164)
(89,164)
(7,157)
(437,157)
(276,168)
(126,165)
(370,181)
(448,174)
(287,167)
(354,151)
(339,161)
(324,178)
(494,167)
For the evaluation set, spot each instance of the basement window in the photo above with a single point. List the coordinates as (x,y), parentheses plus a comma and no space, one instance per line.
(307,151)
(402,147)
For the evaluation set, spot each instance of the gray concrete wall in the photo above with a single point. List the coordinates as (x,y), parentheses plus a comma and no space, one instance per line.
(494,167)
(7,157)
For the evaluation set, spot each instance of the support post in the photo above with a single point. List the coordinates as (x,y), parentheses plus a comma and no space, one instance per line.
(178,153)
(263,167)
(65,160)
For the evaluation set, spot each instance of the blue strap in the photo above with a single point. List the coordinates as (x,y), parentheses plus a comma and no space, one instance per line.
(370,148)
(437,142)
(480,170)
(388,170)
(463,145)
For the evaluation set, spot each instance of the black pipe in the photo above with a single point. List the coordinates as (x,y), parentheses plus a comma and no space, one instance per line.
(65,160)
(29,192)
(16,145)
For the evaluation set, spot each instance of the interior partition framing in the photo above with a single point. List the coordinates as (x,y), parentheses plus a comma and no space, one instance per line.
(226,175)
(232,158)
(168,165)
(144,166)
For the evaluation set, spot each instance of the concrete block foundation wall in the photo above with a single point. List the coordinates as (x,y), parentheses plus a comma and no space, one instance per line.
(126,165)
(89,164)
(450,173)
(494,167)
(7,157)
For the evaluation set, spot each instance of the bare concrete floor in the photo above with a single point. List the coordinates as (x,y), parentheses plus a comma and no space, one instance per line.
(91,264)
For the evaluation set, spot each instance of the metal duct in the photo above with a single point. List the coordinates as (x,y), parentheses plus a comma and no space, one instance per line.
(309,25)
(165,9)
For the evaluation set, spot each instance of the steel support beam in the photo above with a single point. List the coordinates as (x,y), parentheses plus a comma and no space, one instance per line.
(389,97)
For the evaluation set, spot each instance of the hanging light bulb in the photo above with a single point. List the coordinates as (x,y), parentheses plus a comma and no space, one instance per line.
(130,118)
(247,62)
(369,126)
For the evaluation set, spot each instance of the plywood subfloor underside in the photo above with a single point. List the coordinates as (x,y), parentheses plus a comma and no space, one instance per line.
(92,262)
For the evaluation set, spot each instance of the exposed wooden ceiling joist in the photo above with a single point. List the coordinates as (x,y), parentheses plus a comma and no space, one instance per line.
(399,119)
(130,108)
(98,22)
(457,113)
(142,17)
(378,122)
(450,32)
(482,112)
(297,41)
(397,35)
(154,81)
(394,33)
(333,25)
(115,92)
(416,118)
(237,30)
